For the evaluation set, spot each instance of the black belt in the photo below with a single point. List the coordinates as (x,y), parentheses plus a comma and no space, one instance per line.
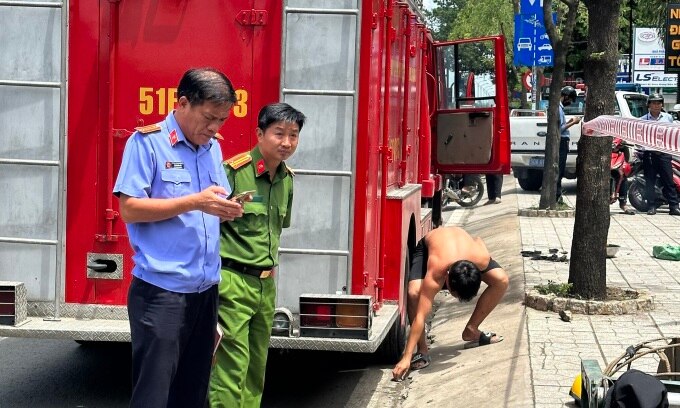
(261,273)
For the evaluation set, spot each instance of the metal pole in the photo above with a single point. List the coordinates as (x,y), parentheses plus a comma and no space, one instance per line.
(630,41)
(534,82)
(61,205)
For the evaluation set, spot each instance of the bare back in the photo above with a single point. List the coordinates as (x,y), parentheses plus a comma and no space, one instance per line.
(448,245)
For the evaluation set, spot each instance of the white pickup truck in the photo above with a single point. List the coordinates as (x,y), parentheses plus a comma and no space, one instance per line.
(528,130)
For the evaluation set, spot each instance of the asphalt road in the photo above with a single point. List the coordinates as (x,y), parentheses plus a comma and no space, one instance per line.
(61,373)
(64,374)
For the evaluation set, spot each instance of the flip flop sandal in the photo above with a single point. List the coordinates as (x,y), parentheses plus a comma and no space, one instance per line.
(484,340)
(419,361)
(628,210)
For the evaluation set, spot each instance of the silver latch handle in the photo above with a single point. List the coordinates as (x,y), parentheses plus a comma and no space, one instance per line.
(96,266)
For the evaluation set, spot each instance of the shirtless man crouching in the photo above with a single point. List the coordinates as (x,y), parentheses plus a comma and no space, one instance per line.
(449,258)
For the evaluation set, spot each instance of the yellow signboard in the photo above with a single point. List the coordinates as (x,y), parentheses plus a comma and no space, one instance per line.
(672,59)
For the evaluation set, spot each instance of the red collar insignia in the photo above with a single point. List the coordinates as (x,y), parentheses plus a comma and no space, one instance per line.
(173,138)
(260,166)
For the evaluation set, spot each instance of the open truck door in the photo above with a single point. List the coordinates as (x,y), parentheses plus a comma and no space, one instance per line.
(470,123)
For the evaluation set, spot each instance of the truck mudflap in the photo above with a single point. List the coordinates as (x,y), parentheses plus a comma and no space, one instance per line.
(109,323)
(382,322)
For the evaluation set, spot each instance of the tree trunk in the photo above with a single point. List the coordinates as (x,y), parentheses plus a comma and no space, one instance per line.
(588,267)
(552,140)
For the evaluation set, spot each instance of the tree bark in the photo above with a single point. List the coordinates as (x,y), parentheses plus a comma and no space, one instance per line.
(588,267)
(552,140)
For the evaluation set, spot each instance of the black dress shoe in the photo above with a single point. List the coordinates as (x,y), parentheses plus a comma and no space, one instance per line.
(675,211)
(651,211)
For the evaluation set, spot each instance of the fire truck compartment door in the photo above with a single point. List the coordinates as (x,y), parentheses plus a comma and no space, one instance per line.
(471,122)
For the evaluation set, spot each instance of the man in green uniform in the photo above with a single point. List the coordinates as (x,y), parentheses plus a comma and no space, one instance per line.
(249,248)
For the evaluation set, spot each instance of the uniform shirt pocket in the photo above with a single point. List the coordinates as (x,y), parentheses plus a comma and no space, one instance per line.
(214,179)
(283,210)
(254,220)
(177,182)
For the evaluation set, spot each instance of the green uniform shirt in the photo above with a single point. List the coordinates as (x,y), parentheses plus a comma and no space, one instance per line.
(254,239)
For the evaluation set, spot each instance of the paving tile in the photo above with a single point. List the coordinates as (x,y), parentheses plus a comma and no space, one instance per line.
(556,347)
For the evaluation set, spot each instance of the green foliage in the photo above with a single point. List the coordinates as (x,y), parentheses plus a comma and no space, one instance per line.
(482,18)
(558,289)
(440,19)
(455,19)
(650,13)
(647,13)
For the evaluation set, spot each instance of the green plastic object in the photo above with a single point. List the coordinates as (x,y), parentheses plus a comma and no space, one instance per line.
(667,252)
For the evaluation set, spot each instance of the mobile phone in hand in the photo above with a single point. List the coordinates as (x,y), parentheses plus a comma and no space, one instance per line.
(243,196)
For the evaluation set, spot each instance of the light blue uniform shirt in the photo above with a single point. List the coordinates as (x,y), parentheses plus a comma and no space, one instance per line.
(564,132)
(180,254)
(663,117)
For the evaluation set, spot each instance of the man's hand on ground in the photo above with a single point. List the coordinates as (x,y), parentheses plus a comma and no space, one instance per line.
(401,369)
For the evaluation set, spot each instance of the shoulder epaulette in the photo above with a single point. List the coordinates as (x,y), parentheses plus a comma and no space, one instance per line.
(148,128)
(218,136)
(290,170)
(239,160)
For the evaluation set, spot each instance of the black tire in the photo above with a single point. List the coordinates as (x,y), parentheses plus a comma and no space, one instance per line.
(533,180)
(636,194)
(476,187)
(437,206)
(392,347)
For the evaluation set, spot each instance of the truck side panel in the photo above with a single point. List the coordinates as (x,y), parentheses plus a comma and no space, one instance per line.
(123,73)
(367,215)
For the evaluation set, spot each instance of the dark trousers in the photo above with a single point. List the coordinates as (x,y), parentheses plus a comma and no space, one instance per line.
(562,164)
(173,336)
(623,188)
(654,163)
(494,184)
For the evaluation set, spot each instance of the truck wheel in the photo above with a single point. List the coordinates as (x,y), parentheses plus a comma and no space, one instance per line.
(393,344)
(533,180)
(437,206)
(636,195)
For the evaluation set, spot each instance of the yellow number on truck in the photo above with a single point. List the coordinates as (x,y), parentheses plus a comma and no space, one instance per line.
(241,108)
(161,101)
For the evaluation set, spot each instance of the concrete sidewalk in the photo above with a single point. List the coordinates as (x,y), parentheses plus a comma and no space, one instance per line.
(540,356)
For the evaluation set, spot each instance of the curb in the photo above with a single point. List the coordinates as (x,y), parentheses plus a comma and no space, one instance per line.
(551,302)
(528,212)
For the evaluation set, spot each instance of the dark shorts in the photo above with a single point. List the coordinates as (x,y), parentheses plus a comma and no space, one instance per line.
(419,262)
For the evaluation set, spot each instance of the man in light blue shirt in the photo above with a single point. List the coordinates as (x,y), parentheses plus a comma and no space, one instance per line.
(655,162)
(567,97)
(172,192)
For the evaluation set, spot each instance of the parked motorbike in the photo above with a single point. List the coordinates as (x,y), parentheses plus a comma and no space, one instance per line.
(464,190)
(636,191)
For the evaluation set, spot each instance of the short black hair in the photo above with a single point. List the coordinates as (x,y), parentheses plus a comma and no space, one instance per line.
(279,112)
(201,85)
(464,279)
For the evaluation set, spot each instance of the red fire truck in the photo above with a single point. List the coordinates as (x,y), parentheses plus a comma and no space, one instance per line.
(389,112)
